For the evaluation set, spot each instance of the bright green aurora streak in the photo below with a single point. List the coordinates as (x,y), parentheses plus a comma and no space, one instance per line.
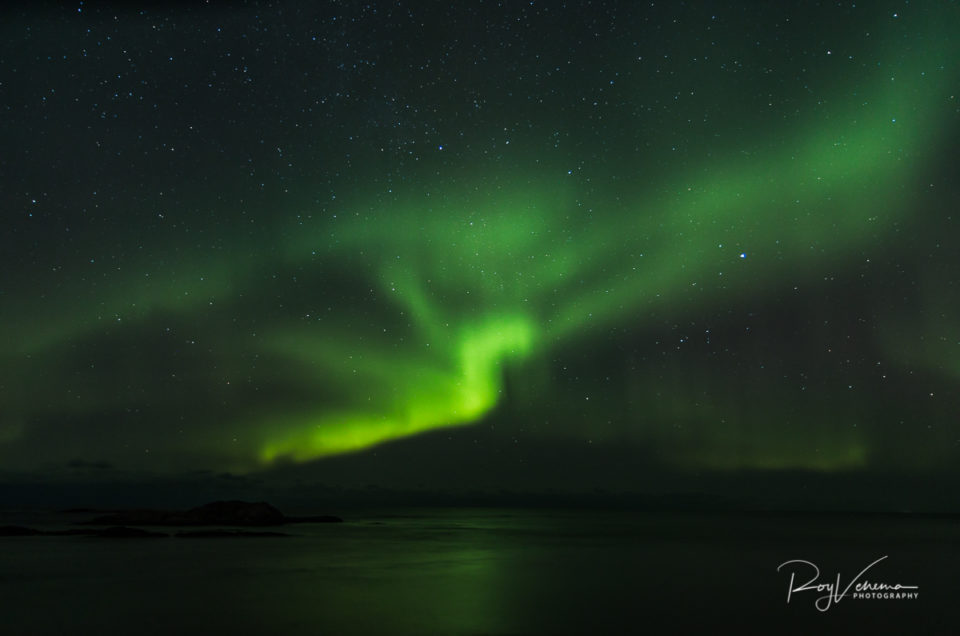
(488,277)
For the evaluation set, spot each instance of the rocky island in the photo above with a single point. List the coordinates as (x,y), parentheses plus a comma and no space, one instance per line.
(230,513)
(122,524)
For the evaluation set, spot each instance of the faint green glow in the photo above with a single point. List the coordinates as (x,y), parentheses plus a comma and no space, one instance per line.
(157,280)
(834,455)
(812,441)
(928,338)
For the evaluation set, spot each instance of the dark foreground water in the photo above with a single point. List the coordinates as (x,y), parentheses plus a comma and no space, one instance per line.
(470,571)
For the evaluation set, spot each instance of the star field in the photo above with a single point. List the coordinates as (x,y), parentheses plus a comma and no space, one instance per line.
(715,235)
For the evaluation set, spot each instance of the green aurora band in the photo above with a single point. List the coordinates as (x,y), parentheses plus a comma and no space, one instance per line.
(466,279)
(486,277)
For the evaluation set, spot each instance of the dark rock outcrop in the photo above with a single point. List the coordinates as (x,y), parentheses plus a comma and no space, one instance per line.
(18,531)
(228,534)
(72,532)
(218,513)
(122,532)
(238,513)
(115,532)
(315,519)
(137,518)
(87,511)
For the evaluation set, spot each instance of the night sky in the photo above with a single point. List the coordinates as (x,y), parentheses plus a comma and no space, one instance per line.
(521,244)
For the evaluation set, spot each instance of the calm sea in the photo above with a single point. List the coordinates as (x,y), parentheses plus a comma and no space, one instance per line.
(487,571)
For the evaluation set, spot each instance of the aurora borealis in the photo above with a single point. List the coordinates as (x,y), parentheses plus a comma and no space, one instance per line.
(716,237)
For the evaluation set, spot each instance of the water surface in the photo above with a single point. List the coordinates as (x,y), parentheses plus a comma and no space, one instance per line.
(482,571)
